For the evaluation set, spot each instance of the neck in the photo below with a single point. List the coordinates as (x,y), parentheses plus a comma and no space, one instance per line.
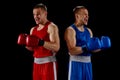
(44,22)
(78,24)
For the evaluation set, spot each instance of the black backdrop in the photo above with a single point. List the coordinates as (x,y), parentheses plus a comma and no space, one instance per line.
(17,61)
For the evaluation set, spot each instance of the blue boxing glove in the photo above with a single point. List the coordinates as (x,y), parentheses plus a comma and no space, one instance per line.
(92,44)
(105,42)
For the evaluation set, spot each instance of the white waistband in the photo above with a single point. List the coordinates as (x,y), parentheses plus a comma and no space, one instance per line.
(44,60)
(80,58)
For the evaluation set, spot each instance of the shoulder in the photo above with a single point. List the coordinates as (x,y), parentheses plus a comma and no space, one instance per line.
(69,28)
(90,31)
(31,30)
(69,32)
(52,26)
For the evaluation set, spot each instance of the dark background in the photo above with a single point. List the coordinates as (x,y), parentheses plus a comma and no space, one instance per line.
(18,18)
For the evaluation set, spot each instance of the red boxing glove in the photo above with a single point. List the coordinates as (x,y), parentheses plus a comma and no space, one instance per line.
(33,41)
(22,39)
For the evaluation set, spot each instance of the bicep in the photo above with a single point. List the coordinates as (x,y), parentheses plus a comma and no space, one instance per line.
(70,38)
(53,34)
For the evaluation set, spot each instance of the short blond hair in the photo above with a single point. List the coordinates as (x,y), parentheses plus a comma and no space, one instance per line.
(40,5)
(77,8)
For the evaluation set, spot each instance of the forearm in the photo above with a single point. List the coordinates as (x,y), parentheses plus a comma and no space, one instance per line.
(75,50)
(51,46)
(29,48)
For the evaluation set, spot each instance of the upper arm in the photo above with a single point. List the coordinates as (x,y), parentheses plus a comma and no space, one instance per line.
(53,33)
(70,37)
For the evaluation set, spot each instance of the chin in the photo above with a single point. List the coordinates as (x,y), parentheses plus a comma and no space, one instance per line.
(37,22)
(85,23)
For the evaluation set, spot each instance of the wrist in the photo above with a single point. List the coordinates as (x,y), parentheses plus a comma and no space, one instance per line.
(41,42)
(84,48)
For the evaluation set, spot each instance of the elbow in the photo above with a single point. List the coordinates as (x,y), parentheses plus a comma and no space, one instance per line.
(71,51)
(57,48)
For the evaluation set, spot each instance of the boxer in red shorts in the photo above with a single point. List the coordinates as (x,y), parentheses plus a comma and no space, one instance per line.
(44,42)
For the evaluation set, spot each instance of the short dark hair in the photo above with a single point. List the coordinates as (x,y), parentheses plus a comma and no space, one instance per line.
(77,8)
(40,5)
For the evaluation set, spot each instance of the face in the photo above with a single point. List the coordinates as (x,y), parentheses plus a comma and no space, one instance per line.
(82,16)
(39,15)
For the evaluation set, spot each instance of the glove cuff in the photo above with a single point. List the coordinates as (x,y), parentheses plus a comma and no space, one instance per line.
(84,48)
(41,42)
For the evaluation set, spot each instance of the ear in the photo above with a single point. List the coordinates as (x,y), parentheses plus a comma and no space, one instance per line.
(46,13)
(77,16)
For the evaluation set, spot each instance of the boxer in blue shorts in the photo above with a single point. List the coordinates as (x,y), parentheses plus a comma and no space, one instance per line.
(80,42)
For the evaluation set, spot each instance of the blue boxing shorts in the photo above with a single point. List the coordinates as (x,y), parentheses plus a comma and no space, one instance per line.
(80,68)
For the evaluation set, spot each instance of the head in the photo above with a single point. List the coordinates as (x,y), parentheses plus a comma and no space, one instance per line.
(40,13)
(81,15)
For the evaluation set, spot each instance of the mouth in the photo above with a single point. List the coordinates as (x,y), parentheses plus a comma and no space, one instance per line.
(86,20)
